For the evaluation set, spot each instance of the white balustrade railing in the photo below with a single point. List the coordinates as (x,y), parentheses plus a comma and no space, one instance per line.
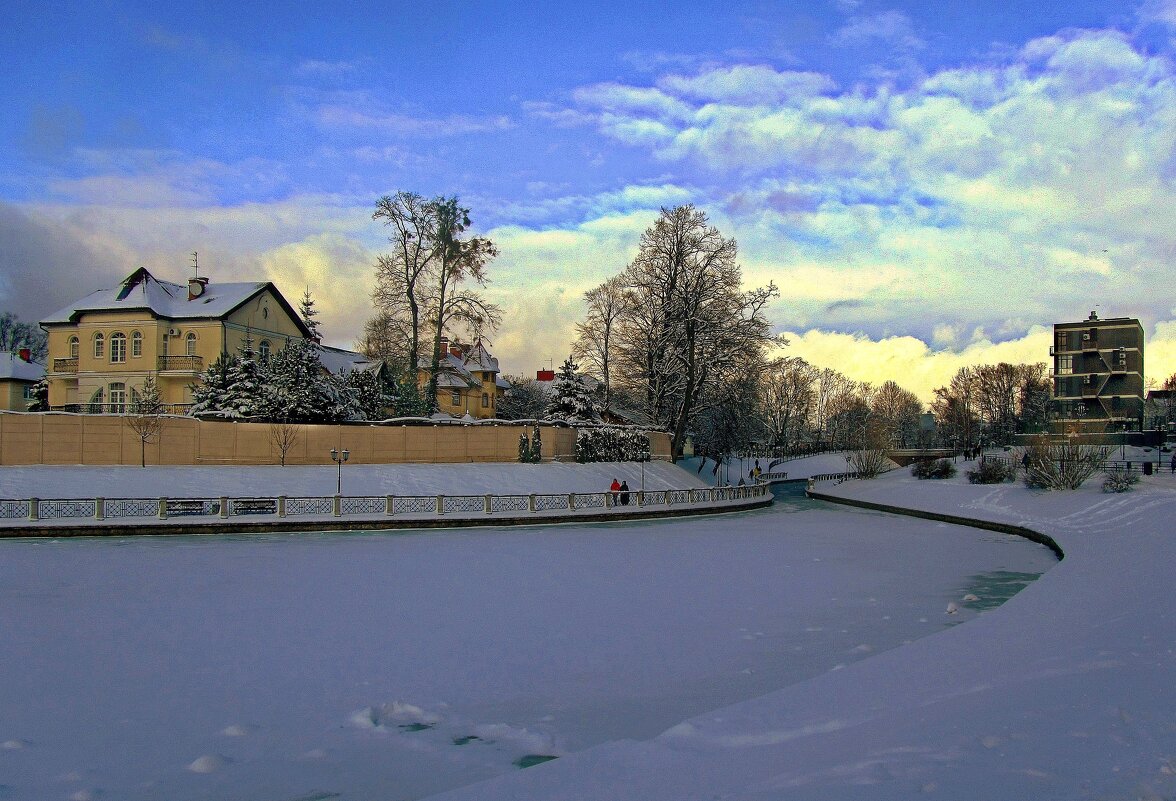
(375,506)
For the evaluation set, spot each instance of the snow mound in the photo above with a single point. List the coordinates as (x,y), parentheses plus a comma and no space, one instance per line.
(236,730)
(517,737)
(394,714)
(209,763)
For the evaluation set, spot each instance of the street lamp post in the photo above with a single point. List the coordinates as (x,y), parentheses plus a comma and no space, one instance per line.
(339,458)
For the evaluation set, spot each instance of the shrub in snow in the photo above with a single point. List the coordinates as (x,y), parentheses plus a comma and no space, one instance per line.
(1064,466)
(610,444)
(868,463)
(933,468)
(531,451)
(993,471)
(1119,479)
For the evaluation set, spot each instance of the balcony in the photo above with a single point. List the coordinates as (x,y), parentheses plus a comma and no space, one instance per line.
(65,365)
(189,364)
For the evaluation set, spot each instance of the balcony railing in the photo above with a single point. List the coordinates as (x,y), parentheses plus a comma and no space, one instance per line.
(192,364)
(65,365)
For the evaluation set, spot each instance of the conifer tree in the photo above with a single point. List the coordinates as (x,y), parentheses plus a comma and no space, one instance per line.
(308,312)
(571,400)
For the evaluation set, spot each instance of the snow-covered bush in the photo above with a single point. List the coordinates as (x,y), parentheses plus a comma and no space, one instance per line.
(993,471)
(868,463)
(531,451)
(1119,479)
(933,468)
(611,444)
(1064,466)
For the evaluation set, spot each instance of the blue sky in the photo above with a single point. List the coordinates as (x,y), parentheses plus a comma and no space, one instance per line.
(930,184)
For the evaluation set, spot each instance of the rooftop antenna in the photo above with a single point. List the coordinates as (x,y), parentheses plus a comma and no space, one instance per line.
(196,263)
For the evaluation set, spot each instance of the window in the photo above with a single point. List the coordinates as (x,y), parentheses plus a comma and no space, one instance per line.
(1065,365)
(136,344)
(30,392)
(118,347)
(96,400)
(99,346)
(191,344)
(263,349)
(485,401)
(118,398)
(73,347)
(455,398)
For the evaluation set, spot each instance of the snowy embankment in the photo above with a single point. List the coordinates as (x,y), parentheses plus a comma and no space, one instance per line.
(1064,692)
(499,478)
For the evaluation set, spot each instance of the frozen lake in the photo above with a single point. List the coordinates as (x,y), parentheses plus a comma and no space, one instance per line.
(398,665)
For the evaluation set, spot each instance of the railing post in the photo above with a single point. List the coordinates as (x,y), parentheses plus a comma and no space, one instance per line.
(608,504)
(34,508)
(667,498)
(640,498)
(389,504)
(690,496)
(281,506)
(163,508)
(337,505)
(224,506)
(488,503)
(99,508)
(571,501)
(531,502)
(440,504)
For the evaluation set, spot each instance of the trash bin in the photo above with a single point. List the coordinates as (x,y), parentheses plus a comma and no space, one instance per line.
(1147,468)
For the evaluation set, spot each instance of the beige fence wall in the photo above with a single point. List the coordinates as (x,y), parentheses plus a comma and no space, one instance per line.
(100,439)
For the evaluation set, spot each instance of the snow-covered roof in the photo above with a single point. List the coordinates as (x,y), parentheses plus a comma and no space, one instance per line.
(337,360)
(479,358)
(14,368)
(141,291)
(457,372)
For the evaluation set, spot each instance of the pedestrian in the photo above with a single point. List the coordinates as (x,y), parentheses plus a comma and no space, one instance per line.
(1174,462)
(624,493)
(614,489)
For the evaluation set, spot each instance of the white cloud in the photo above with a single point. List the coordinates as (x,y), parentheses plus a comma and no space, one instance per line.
(892,27)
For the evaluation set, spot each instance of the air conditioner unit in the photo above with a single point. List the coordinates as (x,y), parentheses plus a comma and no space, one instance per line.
(1086,336)
(173,332)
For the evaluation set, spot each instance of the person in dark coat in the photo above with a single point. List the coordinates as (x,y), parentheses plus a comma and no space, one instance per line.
(624,493)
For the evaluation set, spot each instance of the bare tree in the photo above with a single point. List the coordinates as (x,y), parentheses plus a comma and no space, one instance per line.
(15,335)
(955,411)
(896,412)
(400,276)
(789,395)
(593,347)
(692,325)
(284,435)
(146,416)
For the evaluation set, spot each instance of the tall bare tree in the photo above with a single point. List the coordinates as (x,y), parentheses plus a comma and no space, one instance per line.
(401,274)
(694,327)
(595,336)
(789,396)
(896,413)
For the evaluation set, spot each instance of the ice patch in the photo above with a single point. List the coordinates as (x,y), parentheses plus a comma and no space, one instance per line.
(209,763)
(14,745)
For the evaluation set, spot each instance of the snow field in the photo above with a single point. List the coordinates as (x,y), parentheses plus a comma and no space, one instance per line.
(401,665)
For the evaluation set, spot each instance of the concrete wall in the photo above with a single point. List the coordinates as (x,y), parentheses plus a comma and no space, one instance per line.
(102,439)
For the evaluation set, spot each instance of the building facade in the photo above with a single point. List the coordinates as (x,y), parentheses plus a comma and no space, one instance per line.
(105,345)
(19,376)
(1097,376)
(469,381)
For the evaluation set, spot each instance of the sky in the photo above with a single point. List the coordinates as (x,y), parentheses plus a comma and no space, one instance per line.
(929,184)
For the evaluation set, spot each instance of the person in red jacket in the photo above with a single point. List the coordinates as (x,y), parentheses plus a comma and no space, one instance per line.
(614,489)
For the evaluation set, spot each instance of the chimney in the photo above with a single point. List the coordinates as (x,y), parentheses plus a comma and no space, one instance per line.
(1093,316)
(545,375)
(455,349)
(196,287)
(443,346)
(26,355)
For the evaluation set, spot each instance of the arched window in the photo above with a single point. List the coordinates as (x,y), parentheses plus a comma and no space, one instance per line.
(191,343)
(96,401)
(485,401)
(136,344)
(99,346)
(118,347)
(73,347)
(263,349)
(118,398)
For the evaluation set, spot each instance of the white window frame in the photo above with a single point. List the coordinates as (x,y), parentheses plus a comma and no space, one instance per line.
(118,347)
(455,398)
(190,344)
(74,347)
(136,344)
(99,346)
(118,397)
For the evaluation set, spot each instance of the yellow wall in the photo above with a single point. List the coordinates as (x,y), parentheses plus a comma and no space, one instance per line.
(105,439)
(12,395)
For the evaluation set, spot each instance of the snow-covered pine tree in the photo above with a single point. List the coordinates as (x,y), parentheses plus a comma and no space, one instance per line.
(296,387)
(211,394)
(536,447)
(371,395)
(40,401)
(524,448)
(571,401)
(244,378)
(308,312)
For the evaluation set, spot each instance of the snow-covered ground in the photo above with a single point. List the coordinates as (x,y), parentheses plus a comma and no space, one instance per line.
(394,666)
(1064,692)
(500,478)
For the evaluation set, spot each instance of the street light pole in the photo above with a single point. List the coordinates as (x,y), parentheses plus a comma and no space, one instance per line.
(339,459)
